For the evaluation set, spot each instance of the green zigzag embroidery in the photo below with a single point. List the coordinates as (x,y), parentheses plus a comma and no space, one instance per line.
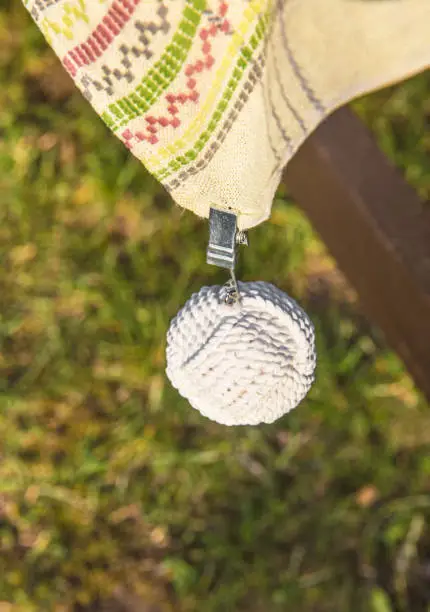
(161,75)
(246,52)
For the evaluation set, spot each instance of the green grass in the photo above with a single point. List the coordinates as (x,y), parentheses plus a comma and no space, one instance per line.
(110,484)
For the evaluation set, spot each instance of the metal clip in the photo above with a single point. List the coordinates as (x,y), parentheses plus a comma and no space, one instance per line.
(222,239)
(221,251)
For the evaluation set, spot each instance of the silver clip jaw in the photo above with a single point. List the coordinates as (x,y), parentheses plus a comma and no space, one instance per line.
(223,239)
(221,250)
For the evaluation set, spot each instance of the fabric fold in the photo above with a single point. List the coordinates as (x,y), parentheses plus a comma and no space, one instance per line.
(216,96)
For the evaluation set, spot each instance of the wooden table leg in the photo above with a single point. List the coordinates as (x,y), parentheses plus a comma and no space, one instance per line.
(376,228)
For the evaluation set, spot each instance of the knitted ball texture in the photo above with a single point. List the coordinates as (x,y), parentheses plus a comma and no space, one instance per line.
(244,363)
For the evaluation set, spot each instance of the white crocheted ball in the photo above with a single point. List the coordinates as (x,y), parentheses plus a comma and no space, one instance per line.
(243,363)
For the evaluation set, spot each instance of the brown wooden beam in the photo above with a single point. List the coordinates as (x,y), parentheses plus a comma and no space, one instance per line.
(375,226)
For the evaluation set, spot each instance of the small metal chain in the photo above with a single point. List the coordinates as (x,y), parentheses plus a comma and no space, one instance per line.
(233,295)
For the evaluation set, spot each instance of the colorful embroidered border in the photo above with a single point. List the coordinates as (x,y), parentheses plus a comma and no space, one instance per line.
(246,55)
(229,88)
(103,35)
(161,75)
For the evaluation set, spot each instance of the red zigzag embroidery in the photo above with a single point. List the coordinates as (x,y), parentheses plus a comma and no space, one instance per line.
(192,71)
(111,26)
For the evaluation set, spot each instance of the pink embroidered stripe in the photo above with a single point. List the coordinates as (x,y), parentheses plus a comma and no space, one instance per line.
(111,25)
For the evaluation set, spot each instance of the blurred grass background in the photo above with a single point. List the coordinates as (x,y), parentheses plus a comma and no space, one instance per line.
(114,494)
